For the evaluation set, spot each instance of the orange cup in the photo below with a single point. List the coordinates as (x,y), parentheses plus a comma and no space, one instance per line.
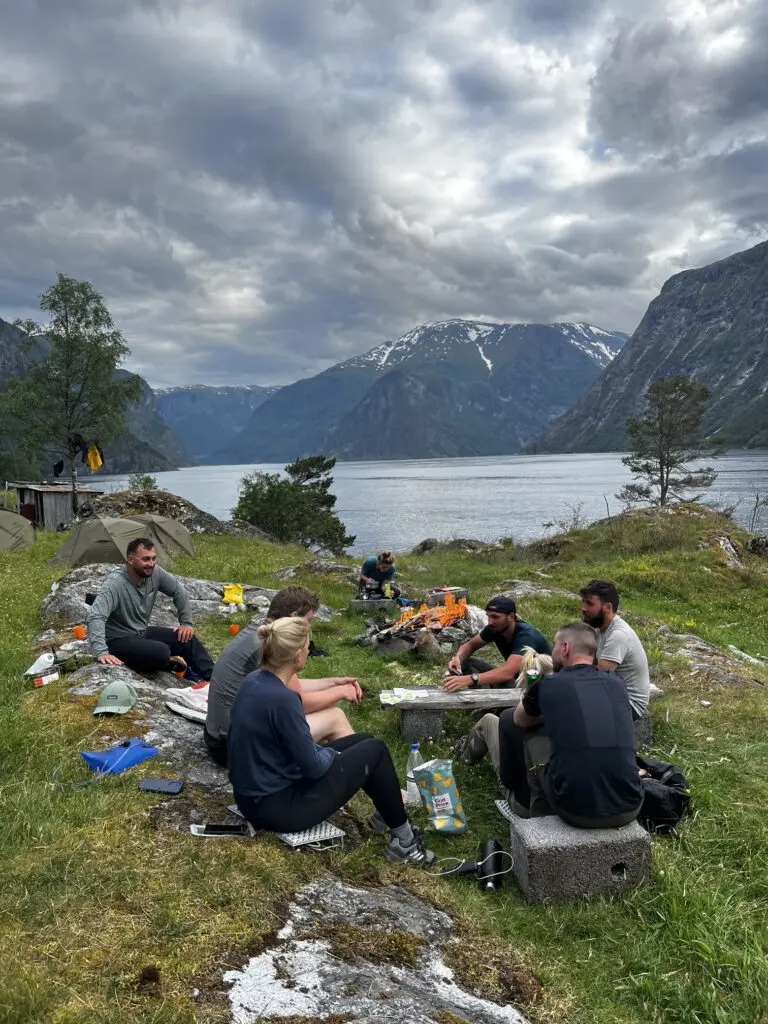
(79,632)
(234,629)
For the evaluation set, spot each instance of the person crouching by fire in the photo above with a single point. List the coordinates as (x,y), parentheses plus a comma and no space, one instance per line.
(377,577)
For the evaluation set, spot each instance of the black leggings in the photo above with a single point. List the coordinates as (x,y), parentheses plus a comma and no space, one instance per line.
(363,762)
(150,651)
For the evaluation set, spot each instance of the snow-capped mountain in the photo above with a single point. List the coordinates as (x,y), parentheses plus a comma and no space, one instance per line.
(457,387)
(437,340)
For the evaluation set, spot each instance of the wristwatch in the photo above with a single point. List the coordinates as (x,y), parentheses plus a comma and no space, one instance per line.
(475,678)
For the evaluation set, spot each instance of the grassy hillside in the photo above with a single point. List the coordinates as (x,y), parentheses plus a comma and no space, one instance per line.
(95,887)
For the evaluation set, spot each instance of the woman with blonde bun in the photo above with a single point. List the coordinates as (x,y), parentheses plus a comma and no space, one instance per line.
(484,736)
(283,781)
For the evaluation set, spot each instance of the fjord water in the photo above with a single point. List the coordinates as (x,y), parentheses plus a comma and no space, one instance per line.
(397,504)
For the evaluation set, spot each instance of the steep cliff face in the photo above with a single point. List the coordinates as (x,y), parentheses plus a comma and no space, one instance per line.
(710,324)
(455,388)
(208,418)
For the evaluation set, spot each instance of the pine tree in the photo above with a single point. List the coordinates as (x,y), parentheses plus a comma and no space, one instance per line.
(664,440)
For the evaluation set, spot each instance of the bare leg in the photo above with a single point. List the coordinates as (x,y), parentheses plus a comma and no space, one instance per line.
(328,725)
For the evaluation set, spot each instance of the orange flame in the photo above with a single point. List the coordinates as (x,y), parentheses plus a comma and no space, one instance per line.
(440,615)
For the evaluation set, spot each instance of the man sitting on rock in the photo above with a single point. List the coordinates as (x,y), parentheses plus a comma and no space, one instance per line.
(511,636)
(377,573)
(242,655)
(118,620)
(568,748)
(618,646)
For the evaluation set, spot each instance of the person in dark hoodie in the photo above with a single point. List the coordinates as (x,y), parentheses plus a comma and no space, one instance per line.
(282,780)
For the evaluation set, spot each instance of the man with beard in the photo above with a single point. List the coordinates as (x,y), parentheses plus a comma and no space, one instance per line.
(118,620)
(618,646)
(568,748)
(511,636)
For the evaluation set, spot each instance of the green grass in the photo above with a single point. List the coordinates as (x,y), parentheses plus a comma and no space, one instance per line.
(92,891)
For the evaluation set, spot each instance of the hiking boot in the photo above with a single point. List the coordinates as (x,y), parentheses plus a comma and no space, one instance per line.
(177,665)
(470,748)
(415,853)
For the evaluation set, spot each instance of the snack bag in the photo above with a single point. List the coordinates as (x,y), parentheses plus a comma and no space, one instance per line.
(440,796)
(233,594)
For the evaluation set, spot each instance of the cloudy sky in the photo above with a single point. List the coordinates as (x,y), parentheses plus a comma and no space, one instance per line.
(261,188)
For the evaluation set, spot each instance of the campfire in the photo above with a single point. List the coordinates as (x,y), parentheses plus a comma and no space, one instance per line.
(439,628)
(431,618)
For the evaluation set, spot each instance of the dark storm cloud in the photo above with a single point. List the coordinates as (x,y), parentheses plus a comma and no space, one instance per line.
(261,190)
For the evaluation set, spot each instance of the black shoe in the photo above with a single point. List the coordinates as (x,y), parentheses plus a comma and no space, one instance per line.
(317,652)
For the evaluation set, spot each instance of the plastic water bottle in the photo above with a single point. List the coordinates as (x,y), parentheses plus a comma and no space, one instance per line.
(414,761)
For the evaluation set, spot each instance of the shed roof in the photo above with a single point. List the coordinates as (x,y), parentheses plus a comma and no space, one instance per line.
(52,488)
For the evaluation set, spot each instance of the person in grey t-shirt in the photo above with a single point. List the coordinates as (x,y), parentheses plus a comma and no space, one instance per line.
(618,646)
(242,655)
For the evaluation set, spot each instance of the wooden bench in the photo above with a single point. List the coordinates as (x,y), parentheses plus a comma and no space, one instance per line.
(422,715)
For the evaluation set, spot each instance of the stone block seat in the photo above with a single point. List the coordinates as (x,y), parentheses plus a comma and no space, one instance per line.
(374,604)
(553,860)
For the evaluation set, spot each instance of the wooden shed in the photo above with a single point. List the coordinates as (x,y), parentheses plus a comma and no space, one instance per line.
(48,506)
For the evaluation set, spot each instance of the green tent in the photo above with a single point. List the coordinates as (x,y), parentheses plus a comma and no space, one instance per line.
(169,532)
(16,532)
(105,539)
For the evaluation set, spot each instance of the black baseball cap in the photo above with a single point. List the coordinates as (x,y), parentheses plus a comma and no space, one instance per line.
(502,605)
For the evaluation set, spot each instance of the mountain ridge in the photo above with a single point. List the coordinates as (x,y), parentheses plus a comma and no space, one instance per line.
(500,374)
(206,417)
(709,323)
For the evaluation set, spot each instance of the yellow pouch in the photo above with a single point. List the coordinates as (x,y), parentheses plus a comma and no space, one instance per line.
(233,594)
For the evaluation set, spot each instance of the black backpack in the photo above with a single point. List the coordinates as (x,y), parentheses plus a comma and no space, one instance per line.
(665,795)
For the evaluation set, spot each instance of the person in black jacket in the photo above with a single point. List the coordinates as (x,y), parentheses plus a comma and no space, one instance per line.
(282,780)
(569,747)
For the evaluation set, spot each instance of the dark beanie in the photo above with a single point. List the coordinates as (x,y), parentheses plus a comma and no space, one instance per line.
(503,605)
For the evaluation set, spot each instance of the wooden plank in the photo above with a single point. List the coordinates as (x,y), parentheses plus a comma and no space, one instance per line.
(439,700)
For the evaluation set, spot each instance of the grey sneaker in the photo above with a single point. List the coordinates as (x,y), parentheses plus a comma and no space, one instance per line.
(416,853)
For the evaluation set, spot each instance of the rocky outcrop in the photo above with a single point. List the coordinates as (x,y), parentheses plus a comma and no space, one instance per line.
(526,588)
(758,546)
(706,660)
(182,750)
(320,567)
(729,550)
(349,954)
(163,503)
(65,604)
(467,545)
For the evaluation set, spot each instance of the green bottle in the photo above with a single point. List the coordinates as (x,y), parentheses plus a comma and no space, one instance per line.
(531,677)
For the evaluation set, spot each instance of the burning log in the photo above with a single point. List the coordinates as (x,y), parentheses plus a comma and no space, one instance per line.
(416,628)
(432,618)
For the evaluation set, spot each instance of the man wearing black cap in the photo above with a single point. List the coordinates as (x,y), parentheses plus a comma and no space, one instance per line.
(510,634)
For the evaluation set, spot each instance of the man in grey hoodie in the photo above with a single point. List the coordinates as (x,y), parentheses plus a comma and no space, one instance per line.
(118,620)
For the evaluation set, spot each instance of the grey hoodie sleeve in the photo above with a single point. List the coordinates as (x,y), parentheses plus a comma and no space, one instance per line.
(105,604)
(170,585)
